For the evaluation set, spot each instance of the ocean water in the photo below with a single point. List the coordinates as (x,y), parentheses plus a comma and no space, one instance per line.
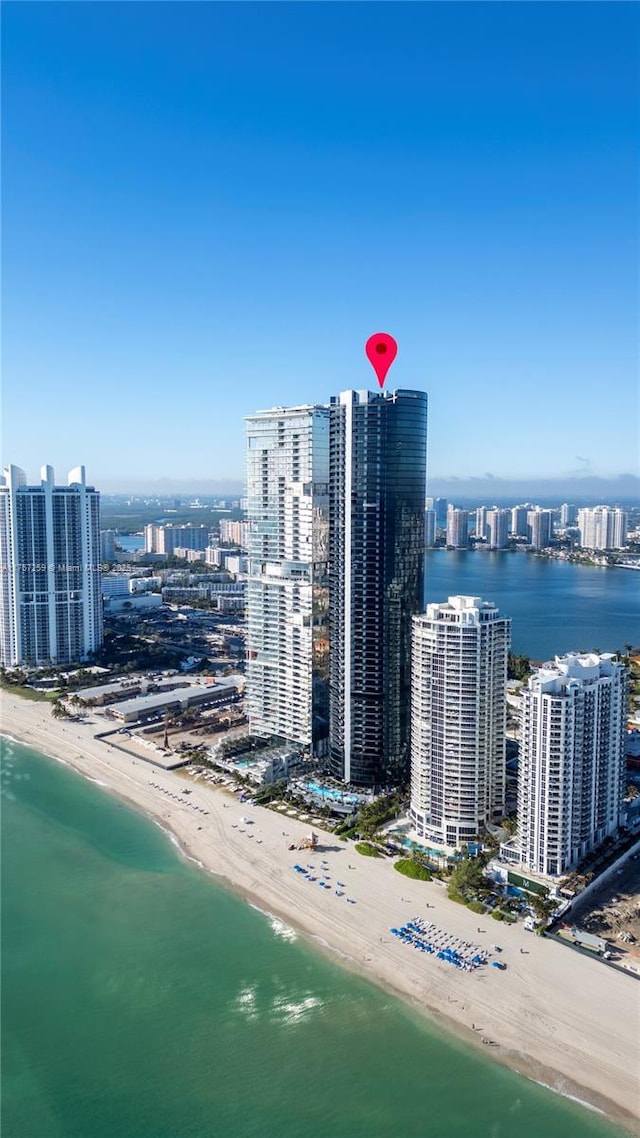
(142,1000)
(130,543)
(555,606)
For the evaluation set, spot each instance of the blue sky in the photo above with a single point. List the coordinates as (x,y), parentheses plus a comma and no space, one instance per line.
(208,208)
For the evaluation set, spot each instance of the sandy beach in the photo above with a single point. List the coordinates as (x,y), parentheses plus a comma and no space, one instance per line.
(553,1015)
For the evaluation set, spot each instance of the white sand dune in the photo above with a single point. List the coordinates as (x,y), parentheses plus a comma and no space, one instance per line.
(554,1015)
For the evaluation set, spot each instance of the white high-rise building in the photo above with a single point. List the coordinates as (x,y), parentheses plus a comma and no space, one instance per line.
(429,528)
(568,514)
(540,527)
(519,524)
(50,595)
(287,594)
(482,528)
(458,719)
(457,528)
(163,539)
(498,525)
(603,528)
(235,533)
(572,765)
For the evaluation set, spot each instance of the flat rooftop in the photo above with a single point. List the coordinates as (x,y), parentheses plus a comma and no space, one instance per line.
(193,693)
(128,683)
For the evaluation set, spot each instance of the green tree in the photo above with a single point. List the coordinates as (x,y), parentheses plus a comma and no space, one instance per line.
(542,907)
(468,879)
(518,667)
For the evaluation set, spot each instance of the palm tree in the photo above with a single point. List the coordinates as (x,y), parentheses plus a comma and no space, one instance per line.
(542,907)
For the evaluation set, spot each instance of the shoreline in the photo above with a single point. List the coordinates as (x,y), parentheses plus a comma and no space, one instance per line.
(534,1014)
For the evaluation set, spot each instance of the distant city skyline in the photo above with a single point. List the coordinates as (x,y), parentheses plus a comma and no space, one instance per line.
(207,216)
(487,492)
(624,487)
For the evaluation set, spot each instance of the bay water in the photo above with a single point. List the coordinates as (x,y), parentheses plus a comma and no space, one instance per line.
(555,606)
(143,1000)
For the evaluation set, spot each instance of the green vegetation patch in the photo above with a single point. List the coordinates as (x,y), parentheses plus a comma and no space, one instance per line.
(410,868)
(475,906)
(518,667)
(27,693)
(367,850)
(370,817)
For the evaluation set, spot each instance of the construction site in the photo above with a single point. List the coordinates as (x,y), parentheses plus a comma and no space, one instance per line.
(613,913)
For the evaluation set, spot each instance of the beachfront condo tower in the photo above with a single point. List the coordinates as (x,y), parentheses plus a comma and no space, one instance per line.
(287,592)
(50,595)
(378,454)
(572,765)
(458,719)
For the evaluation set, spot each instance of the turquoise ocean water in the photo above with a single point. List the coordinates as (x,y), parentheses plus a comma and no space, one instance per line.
(141,1000)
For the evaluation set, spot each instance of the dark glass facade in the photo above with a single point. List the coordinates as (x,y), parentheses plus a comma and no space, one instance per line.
(378,456)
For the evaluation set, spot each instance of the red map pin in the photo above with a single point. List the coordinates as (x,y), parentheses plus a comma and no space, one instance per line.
(381,351)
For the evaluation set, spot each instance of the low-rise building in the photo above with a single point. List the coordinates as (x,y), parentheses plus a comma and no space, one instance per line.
(195,695)
(132,602)
(183,553)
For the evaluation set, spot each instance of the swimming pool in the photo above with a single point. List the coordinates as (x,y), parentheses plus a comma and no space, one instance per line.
(408,844)
(334,795)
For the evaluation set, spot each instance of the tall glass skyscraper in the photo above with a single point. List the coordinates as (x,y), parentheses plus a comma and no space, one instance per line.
(377,461)
(50,595)
(287,599)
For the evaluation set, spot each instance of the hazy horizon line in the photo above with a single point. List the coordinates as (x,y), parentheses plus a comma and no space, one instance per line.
(578,485)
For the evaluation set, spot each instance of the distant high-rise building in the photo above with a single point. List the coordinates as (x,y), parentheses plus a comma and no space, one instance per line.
(429,528)
(378,451)
(458,718)
(540,527)
(498,523)
(163,539)
(568,514)
(572,766)
(50,595)
(457,528)
(440,507)
(482,527)
(287,595)
(519,523)
(108,544)
(235,533)
(213,555)
(603,528)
